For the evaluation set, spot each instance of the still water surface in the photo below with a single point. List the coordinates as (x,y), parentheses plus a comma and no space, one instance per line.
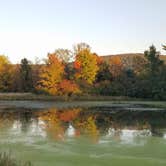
(81,136)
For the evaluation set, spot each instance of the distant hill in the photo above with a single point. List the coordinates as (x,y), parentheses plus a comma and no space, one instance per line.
(130,56)
(163,57)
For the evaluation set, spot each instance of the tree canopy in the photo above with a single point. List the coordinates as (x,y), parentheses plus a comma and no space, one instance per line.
(82,72)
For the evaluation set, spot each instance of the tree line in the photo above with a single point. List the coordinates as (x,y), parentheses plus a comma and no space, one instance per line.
(80,71)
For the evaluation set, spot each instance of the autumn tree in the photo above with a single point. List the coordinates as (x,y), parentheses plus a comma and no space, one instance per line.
(85,65)
(64,55)
(116,66)
(6,78)
(67,87)
(138,64)
(26,76)
(51,75)
(80,47)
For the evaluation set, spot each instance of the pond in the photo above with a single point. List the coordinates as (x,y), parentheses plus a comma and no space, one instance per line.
(80,136)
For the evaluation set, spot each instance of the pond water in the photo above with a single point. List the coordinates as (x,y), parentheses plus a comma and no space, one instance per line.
(84,136)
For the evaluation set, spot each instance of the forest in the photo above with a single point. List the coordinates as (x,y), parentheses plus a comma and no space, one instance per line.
(80,71)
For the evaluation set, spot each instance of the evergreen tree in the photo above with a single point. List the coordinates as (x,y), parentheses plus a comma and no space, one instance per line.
(104,73)
(26,76)
(153,58)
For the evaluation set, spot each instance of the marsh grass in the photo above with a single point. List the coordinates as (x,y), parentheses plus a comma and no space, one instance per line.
(6,159)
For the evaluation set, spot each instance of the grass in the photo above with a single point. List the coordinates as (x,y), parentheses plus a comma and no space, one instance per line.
(31,96)
(7,160)
(84,100)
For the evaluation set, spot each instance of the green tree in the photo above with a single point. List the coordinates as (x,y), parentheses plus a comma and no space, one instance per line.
(80,47)
(153,58)
(26,76)
(104,73)
(154,78)
(69,71)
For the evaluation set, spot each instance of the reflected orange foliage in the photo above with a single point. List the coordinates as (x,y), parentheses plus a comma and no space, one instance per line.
(69,115)
(52,124)
(54,121)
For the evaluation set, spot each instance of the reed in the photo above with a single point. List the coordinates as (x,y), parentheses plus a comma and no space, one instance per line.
(6,159)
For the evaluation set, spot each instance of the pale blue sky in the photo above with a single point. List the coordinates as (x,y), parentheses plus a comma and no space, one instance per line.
(32,28)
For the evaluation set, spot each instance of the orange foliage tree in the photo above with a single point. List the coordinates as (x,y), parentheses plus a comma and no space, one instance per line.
(116,65)
(51,75)
(67,87)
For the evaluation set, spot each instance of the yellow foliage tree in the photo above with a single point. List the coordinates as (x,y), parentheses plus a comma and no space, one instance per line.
(86,66)
(5,74)
(51,75)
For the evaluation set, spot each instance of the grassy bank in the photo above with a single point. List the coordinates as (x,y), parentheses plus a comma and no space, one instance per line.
(31,96)
(24,100)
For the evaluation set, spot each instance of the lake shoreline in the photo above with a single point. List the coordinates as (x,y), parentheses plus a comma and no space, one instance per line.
(38,97)
(85,97)
(34,101)
(107,105)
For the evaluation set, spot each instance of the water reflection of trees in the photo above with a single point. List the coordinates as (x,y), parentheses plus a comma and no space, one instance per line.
(21,120)
(25,119)
(93,123)
(76,122)
(58,124)
(140,120)
(6,120)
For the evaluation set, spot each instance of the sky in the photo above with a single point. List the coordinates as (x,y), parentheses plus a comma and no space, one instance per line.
(32,28)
